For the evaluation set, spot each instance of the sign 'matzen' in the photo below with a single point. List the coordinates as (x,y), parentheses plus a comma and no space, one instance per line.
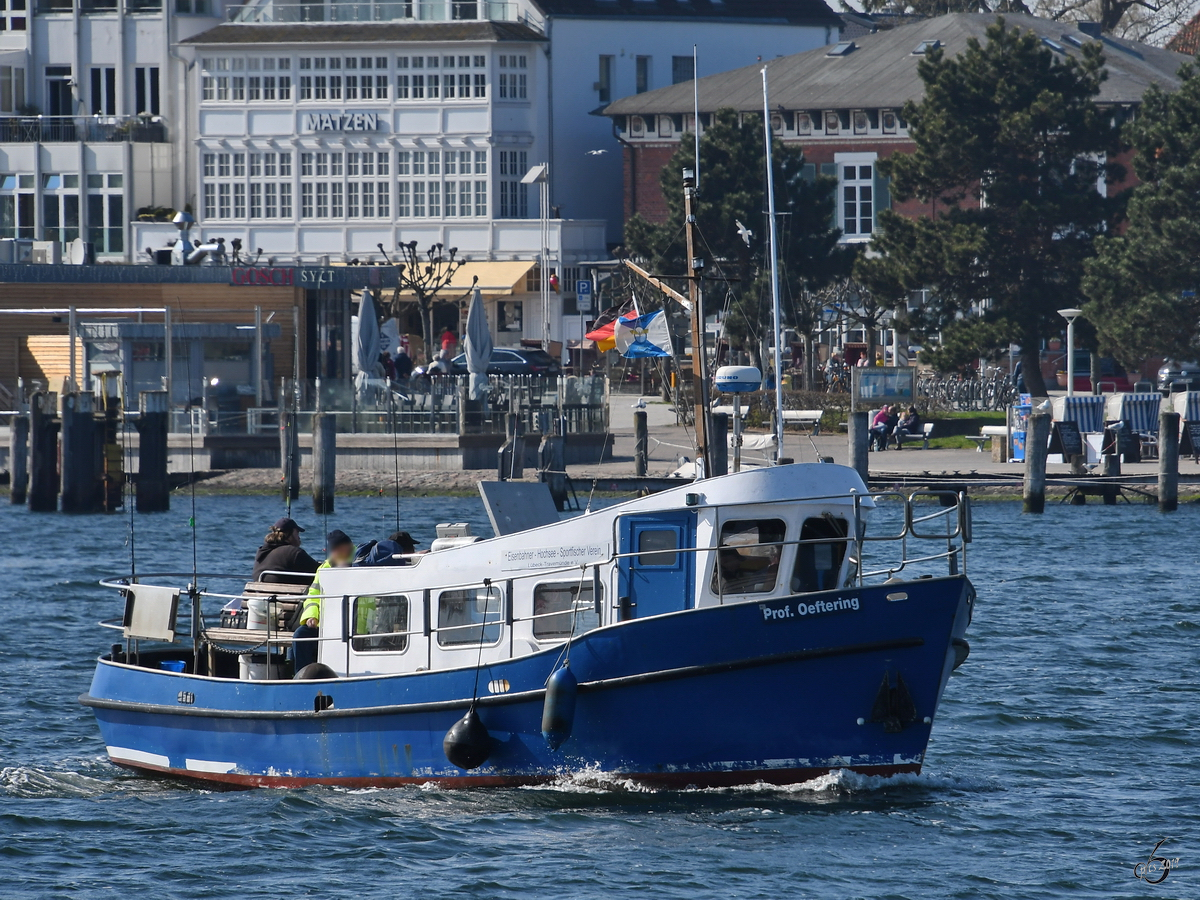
(346,121)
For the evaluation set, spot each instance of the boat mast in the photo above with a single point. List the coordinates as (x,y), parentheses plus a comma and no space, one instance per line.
(774,258)
(699,362)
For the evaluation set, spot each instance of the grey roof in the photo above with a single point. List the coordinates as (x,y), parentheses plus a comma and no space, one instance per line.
(882,71)
(793,12)
(365,33)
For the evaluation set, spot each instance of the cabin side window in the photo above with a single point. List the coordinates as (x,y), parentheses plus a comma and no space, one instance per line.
(469,616)
(818,563)
(748,556)
(380,624)
(555,606)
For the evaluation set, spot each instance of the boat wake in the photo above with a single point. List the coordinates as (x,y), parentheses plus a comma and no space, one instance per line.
(841,783)
(77,779)
(845,783)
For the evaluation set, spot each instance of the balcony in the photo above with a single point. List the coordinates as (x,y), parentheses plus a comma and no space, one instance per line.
(90,129)
(288,11)
(98,6)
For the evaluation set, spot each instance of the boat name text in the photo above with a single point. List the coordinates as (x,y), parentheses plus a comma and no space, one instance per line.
(776,612)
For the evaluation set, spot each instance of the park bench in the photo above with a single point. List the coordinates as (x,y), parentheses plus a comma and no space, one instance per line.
(987,433)
(926,433)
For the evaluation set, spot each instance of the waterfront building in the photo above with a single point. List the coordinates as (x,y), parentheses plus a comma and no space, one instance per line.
(88,114)
(843,104)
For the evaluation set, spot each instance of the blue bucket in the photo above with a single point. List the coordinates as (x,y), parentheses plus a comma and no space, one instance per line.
(173,665)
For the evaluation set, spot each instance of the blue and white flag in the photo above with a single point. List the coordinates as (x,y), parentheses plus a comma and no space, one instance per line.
(644,336)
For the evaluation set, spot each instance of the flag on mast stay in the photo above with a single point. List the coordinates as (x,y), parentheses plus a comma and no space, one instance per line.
(643,336)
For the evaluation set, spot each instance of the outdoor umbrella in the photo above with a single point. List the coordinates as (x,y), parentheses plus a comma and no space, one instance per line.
(366,348)
(479,347)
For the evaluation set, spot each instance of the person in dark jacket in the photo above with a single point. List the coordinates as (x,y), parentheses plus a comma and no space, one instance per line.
(403,365)
(910,426)
(386,552)
(281,552)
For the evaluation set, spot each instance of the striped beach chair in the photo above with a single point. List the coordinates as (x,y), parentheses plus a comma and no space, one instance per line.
(1140,411)
(1086,412)
(1187,404)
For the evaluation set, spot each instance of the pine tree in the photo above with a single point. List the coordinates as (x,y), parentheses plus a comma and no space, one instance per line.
(1143,284)
(1009,147)
(732,191)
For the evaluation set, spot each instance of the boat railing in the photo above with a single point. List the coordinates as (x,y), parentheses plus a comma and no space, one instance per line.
(270,636)
(954,514)
(910,520)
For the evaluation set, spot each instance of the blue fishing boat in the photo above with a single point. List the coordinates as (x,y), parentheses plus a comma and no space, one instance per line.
(769,625)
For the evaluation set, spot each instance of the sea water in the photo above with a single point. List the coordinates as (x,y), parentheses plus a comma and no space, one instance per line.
(1064,750)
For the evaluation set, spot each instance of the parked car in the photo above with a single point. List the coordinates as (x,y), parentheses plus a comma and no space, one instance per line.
(1177,376)
(512,361)
(1113,377)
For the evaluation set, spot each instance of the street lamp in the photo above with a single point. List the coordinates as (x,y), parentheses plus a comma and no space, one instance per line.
(1070,315)
(539,175)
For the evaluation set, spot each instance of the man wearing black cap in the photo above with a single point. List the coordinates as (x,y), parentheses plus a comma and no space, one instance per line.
(281,553)
(340,550)
(404,541)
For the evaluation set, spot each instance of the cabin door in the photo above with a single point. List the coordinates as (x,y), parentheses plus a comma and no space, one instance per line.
(659,577)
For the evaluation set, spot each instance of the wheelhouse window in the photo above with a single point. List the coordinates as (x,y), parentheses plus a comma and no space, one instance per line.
(573,601)
(818,564)
(748,556)
(380,624)
(470,616)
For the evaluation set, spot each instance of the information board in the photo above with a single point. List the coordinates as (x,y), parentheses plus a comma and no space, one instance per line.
(1066,440)
(1189,440)
(871,386)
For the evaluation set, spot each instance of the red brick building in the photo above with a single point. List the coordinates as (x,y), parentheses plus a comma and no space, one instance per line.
(843,104)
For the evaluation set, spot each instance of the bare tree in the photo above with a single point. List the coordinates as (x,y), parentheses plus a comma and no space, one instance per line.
(1149,21)
(423,275)
(861,306)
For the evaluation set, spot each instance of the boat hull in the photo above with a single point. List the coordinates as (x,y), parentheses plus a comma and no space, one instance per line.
(778,691)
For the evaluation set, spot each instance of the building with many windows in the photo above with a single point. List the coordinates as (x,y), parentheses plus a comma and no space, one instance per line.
(327,140)
(843,105)
(87,115)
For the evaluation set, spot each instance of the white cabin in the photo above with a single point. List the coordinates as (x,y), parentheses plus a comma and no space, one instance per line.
(757,535)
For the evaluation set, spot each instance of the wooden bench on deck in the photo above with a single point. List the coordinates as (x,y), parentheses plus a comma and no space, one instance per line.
(283,601)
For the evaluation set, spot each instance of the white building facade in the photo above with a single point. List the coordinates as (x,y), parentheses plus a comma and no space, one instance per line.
(315,141)
(88,114)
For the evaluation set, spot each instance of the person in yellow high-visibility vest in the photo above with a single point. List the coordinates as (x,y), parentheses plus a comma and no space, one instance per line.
(340,550)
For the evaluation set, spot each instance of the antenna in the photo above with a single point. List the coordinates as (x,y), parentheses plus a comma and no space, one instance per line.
(696,106)
(776,358)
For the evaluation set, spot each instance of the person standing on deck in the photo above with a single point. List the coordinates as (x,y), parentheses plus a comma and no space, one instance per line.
(281,553)
(304,646)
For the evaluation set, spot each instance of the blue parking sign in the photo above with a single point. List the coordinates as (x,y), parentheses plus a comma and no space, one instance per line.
(583,296)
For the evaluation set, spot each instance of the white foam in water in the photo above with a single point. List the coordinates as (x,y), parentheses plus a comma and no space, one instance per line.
(844,781)
(594,780)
